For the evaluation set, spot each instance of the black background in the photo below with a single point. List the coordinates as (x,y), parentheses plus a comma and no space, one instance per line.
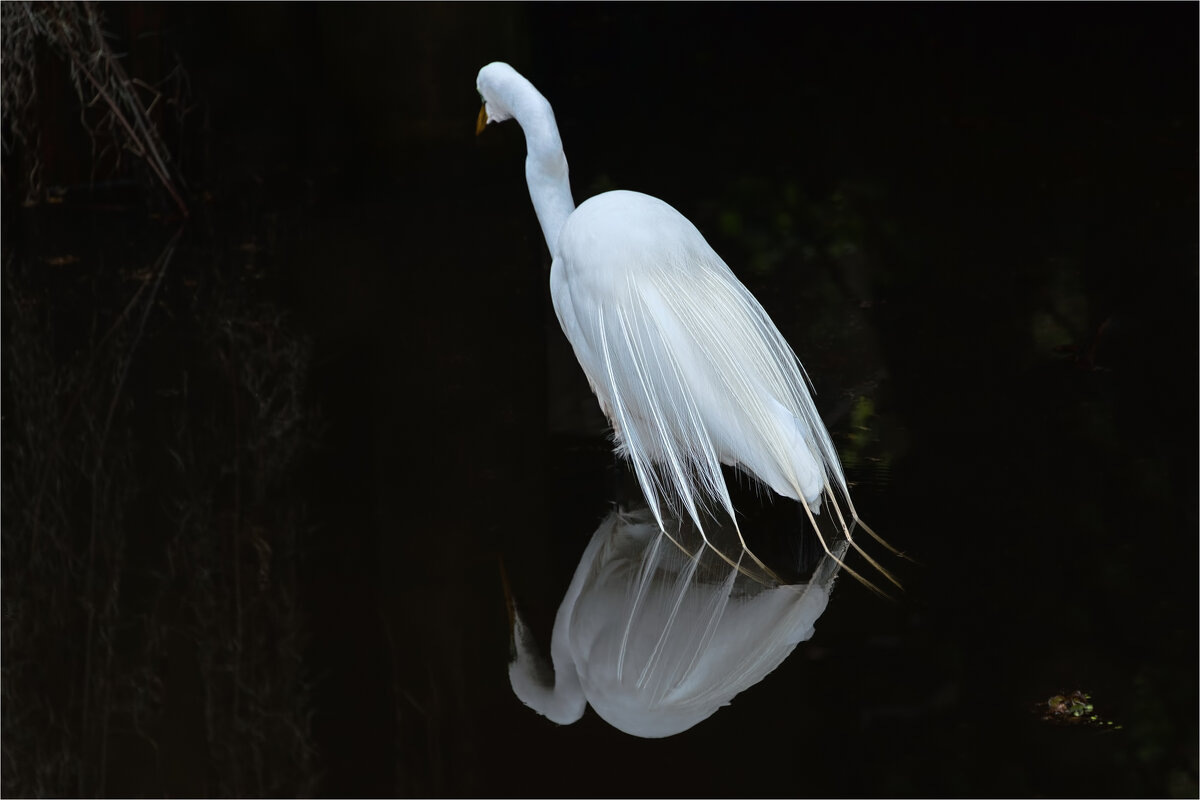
(975,223)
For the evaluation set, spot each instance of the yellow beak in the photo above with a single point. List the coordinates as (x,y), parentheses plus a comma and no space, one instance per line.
(482,120)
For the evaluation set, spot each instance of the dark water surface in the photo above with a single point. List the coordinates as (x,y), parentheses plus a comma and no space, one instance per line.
(262,466)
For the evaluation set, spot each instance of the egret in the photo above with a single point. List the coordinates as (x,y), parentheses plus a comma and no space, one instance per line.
(686,364)
(657,633)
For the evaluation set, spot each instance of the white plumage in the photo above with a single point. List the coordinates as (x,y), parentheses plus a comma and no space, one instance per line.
(685,363)
(658,637)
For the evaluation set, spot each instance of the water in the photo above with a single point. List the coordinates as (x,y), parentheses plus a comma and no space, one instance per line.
(976,226)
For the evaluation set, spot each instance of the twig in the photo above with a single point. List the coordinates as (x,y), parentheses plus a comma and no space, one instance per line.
(164,262)
(145,147)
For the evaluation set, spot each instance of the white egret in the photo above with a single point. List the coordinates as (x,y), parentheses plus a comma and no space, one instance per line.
(686,364)
(657,633)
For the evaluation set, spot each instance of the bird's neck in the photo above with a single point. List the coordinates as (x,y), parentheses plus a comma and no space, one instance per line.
(555,692)
(545,167)
(550,191)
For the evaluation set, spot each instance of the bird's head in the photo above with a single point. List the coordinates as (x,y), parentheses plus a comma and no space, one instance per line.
(489,82)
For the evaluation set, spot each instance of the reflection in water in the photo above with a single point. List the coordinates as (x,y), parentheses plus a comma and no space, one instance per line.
(658,631)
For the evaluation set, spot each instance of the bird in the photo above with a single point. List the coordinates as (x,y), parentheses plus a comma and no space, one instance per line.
(687,366)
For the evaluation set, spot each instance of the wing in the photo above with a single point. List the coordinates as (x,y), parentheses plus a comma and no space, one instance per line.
(686,364)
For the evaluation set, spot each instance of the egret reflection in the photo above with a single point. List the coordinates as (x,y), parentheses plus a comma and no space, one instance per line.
(659,629)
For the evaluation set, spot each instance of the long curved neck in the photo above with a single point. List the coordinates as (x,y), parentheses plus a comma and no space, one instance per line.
(552,691)
(549,186)
(555,690)
(545,163)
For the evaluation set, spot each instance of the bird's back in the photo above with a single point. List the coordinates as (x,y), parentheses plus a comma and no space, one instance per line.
(685,362)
